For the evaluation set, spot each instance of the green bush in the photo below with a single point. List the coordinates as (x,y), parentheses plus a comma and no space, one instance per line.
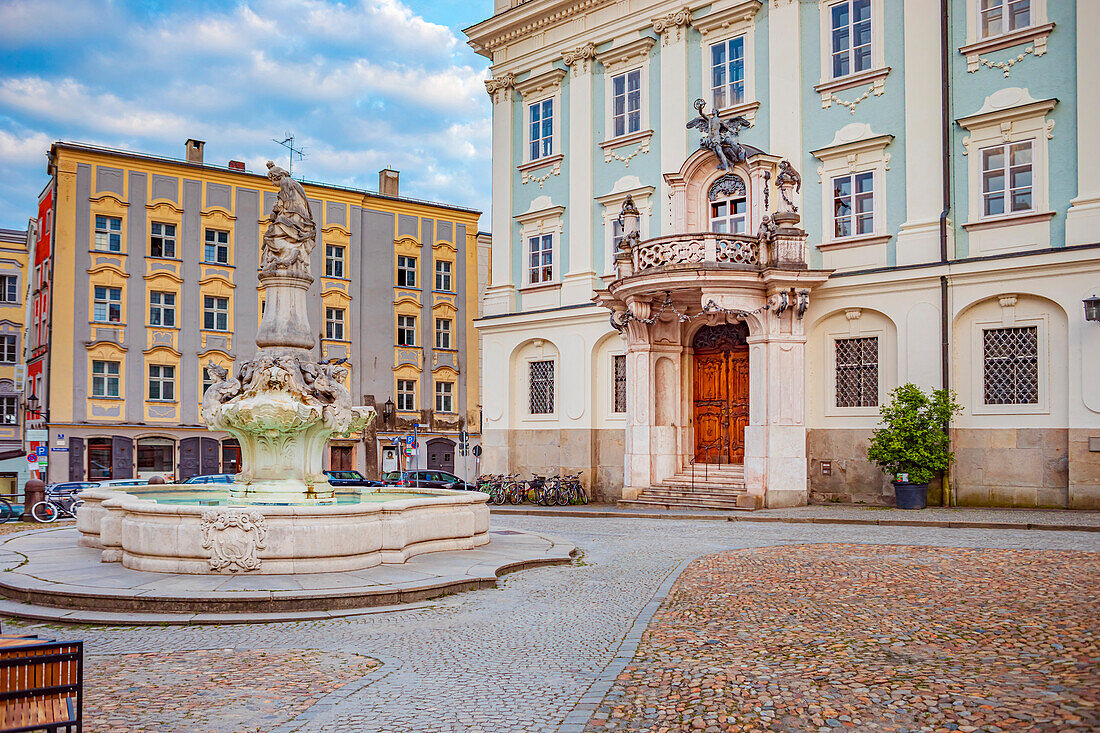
(914,438)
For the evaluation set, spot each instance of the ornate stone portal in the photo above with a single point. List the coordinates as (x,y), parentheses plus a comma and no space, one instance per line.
(282,406)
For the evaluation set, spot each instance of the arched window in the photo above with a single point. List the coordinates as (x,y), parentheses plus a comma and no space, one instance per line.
(729,208)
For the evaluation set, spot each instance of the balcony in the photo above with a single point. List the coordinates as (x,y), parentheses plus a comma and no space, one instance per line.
(692,248)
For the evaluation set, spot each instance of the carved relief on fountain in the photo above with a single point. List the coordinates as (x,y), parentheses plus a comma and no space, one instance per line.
(234,539)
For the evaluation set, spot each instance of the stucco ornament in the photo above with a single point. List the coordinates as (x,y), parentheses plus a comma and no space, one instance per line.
(720,136)
(234,539)
(291,232)
(788,179)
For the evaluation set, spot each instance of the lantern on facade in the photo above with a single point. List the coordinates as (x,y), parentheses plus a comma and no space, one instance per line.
(1092,308)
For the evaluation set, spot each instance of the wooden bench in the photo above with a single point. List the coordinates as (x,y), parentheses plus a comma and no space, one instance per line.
(41,685)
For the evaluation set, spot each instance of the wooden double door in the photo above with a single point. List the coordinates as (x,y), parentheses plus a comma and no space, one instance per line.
(720,394)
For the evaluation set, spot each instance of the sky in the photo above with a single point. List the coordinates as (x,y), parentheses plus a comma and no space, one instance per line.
(361,84)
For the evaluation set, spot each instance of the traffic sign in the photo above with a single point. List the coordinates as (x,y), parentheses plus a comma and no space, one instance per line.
(477,451)
(32,458)
(41,450)
(409,440)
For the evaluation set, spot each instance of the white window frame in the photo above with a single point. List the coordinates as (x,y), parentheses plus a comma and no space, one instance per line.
(1006,192)
(444,396)
(1041,322)
(528,121)
(975,32)
(162,380)
(217,244)
(612,204)
(444,273)
(730,217)
(157,304)
(728,99)
(543,245)
(107,378)
(542,218)
(107,231)
(627,112)
(334,323)
(165,239)
(402,318)
(1005,7)
(722,26)
(215,307)
(853,216)
(9,289)
(878,47)
(402,394)
(445,333)
(402,268)
(335,260)
(9,356)
(9,410)
(855,148)
(535,89)
(107,301)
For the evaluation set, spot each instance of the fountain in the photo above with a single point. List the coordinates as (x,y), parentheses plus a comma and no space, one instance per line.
(280,515)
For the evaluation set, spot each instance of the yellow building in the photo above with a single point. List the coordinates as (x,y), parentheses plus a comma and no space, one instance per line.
(153,268)
(14,255)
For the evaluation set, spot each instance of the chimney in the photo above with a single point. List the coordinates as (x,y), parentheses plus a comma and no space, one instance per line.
(387,182)
(194,151)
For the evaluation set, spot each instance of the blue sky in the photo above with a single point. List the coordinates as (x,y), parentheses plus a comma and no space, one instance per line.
(362,85)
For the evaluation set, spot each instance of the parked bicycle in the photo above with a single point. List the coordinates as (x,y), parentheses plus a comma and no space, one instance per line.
(542,490)
(55,506)
(8,513)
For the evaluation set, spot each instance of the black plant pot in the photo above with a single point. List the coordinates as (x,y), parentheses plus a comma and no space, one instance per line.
(910,496)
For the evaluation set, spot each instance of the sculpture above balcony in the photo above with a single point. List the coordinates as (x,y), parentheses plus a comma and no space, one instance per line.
(720,136)
(787,179)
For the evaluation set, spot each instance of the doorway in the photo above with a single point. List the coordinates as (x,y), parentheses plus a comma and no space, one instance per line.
(341,458)
(720,382)
(441,454)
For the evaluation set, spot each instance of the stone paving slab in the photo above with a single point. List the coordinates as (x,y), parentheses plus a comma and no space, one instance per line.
(944,517)
(84,590)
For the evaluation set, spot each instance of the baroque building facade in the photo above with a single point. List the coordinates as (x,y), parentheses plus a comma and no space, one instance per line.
(148,274)
(945,231)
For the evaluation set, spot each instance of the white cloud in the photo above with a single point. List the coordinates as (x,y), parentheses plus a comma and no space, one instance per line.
(26,149)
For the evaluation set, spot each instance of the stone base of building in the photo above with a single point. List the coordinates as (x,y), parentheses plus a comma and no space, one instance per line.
(595,453)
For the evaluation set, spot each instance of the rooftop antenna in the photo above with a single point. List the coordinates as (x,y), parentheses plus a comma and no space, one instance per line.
(288,143)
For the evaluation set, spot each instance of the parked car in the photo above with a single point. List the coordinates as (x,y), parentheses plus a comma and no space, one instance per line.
(69,487)
(350,478)
(428,479)
(213,478)
(121,483)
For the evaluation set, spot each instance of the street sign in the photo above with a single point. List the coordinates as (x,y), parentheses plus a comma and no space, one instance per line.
(409,440)
(32,458)
(477,451)
(41,450)
(38,436)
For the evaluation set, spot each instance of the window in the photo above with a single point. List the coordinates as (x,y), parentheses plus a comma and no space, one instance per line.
(162,309)
(108,234)
(1011,359)
(162,239)
(727,72)
(334,260)
(9,410)
(857,372)
(541,388)
(1006,179)
(618,378)
(215,313)
(105,378)
(107,307)
(541,268)
(851,37)
(9,289)
(9,349)
(406,395)
(99,459)
(443,333)
(1004,16)
(156,455)
(334,324)
(406,271)
(541,128)
(443,398)
(443,276)
(616,235)
(854,205)
(162,382)
(626,101)
(406,330)
(729,216)
(217,247)
(207,379)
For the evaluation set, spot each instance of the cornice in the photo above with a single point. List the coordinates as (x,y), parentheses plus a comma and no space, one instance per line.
(524,19)
(625,54)
(538,83)
(722,20)
(580,59)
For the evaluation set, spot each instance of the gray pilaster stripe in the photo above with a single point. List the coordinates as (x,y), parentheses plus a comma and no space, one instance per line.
(427,317)
(136,299)
(317,267)
(190,250)
(246,304)
(82,260)
(357,312)
(373,263)
(578,717)
(460,317)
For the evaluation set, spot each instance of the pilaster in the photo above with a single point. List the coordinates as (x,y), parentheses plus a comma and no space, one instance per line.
(673,30)
(785,83)
(1083,217)
(580,281)
(500,295)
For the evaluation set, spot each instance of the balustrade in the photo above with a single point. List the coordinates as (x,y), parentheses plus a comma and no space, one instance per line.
(699,247)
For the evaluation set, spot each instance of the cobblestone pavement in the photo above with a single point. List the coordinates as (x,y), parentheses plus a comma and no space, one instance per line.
(516,658)
(835,637)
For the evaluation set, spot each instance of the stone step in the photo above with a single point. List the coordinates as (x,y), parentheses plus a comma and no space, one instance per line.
(702,486)
(641,503)
(655,493)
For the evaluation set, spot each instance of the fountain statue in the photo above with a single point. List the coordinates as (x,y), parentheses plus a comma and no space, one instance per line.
(283,406)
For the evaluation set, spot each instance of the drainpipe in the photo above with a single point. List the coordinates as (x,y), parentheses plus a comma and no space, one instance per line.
(945,132)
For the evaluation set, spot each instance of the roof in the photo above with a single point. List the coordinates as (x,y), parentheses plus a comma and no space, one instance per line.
(15,236)
(118,152)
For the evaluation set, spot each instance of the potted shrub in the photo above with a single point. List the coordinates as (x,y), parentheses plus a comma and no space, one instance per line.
(913,445)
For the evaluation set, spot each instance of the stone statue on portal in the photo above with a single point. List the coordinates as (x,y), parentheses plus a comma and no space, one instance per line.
(720,136)
(291,233)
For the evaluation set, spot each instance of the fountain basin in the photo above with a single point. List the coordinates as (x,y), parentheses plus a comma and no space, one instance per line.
(201,539)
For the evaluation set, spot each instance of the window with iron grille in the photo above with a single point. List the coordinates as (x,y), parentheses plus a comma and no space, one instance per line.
(406,395)
(618,375)
(162,382)
(9,289)
(541,387)
(1011,357)
(334,324)
(406,272)
(9,410)
(406,330)
(857,372)
(162,308)
(443,396)
(162,239)
(217,247)
(334,260)
(9,349)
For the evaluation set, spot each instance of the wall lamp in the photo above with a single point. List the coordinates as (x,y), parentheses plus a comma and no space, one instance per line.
(1092,309)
